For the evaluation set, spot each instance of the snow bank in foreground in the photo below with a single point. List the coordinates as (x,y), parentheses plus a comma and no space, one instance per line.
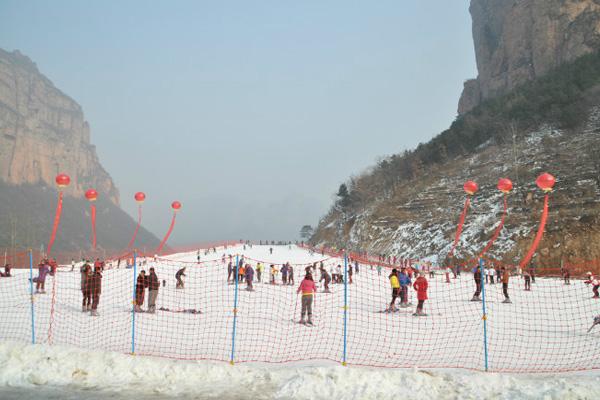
(29,366)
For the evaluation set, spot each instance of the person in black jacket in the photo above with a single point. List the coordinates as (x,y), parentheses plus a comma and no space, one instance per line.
(477,278)
(140,290)
(178,276)
(153,285)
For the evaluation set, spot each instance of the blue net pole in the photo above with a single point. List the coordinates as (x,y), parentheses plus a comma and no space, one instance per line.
(31,294)
(485,343)
(345,308)
(133,302)
(235,299)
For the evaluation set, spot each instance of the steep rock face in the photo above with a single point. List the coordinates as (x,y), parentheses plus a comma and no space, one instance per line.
(43,132)
(519,40)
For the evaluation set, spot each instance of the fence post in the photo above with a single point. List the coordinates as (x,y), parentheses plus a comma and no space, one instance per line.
(31,296)
(133,303)
(235,299)
(484,317)
(345,307)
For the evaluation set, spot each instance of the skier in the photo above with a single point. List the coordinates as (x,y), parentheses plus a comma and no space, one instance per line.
(259,270)
(356,267)
(72,264)
(140,290)
(379,270)
(308,289)
(477,278)
(229,271)
(448,272)
(567,275)
(420,286)
(273,274)
(178,275)
(405,282)
(284,271)
(492,274)
(350,274)
(86,288)
(96,290)
(325,277)
(40,280)
(290,274)
(270,250)
(241,273)
(153,285)
(505,276)
(395,284)
(527,278)
(249,277)
(339,275)
(595,284)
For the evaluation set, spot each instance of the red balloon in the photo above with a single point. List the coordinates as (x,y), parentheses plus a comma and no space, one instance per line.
(91,195)
(176,205)
(140,197)
(62,180)
(505,185)
(545,182)
(470,187)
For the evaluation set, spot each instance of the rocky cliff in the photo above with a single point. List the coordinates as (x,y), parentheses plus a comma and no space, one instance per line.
(43,132)
(520,40)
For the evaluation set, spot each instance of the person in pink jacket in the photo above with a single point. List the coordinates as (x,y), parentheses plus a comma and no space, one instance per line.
(308,289)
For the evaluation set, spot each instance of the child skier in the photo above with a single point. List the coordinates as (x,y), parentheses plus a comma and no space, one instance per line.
(395,284)
(40,280)
(308,289)
(325,277)
(420,286)
(591,279)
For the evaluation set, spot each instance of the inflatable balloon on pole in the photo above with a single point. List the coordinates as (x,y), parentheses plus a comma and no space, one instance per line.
(62,181)
(470,189)
(139,198)
(92,195)
(545,182)
(175,206)
(505,185)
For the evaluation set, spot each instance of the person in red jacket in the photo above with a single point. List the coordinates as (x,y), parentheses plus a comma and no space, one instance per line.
(308,289)
(420,286)
(140,290)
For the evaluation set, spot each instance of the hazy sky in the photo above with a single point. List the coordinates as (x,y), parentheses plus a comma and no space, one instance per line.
(251,113)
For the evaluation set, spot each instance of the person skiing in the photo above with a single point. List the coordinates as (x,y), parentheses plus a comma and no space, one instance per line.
(395,284)
(140,290)
(96,290)
(86,288)
(229,271)
(291,275)
(259,271)
(350,274)
(308,289)
(527,278)
(270,250)
(477,279)
(591,279)
(241,273)
(405,282)
(178,277)
(340,277)
(325,277)
(40,280)
(448,272)
(567,275)
(249,272)
(153,285)
(492,274)
(356,267)
(420,286)
(273,274)
(378,270)
(284,271)
(505,277)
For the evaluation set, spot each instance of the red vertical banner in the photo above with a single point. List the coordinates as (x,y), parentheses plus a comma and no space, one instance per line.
(62,181)
(546,183)
(139,197)
(470,188)
(92,195)
(175,206)
(505,186)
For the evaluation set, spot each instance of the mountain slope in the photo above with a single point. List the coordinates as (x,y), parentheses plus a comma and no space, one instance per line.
(43,132)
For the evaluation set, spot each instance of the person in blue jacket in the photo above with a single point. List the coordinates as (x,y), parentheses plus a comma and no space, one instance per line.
(405,282)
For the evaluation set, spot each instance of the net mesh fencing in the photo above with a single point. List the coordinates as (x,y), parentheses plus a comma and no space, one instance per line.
(211,314)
